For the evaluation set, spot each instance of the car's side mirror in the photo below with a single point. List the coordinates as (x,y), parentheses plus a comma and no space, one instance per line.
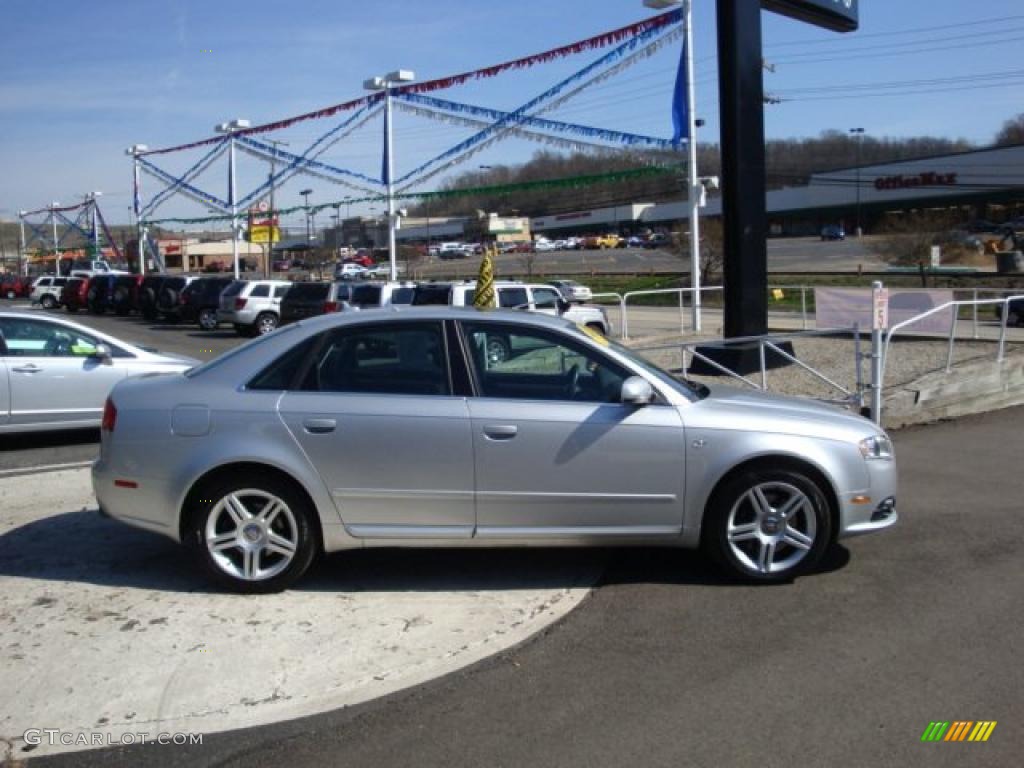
(637,390)
(563,306)
(103,353)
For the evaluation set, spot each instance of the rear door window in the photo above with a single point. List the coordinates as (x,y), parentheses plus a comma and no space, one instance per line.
(260,291)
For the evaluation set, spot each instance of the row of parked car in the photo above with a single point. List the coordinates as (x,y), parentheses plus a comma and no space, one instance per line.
(256,307)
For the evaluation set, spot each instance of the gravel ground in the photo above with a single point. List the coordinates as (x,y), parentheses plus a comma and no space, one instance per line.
(833,357)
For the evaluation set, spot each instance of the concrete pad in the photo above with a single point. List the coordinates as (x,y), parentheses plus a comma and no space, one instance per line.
(108,630)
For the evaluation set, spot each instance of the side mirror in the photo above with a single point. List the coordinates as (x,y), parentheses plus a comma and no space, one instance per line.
(103,353)
(637,390)
(563,306)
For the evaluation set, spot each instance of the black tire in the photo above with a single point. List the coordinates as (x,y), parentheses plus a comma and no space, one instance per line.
(221,541)
(48,302)
(70,309)
(265,323)
(742,536)
(207,319)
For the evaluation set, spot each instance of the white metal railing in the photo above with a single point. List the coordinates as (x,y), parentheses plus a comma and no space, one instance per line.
(681,292)
(851,397)
(955,305)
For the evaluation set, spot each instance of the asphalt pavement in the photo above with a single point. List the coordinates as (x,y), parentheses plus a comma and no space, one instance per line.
(667,664)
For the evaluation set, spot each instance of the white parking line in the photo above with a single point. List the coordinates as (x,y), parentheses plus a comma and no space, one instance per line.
(39,469)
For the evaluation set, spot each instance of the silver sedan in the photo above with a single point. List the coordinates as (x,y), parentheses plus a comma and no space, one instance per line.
(393,428)
(55,374)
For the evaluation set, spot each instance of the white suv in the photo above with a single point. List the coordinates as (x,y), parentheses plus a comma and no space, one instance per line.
(47,291)
(533,297)
(253,307)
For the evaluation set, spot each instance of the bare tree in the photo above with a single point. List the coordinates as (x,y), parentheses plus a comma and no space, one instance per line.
(1012,132)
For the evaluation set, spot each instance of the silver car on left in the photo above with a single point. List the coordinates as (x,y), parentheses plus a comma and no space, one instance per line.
(55,374)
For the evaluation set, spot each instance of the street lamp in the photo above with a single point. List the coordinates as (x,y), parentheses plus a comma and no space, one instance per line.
(859,133)
(56,246)
(134,151)
(22,256)
(231,128)
(696,188)
(385,84)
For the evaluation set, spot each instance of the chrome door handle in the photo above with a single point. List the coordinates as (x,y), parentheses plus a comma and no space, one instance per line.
(501,431)
(30,368)
(319,426)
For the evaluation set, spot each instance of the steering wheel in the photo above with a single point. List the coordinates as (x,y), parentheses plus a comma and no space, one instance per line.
(57,346)
(572,382)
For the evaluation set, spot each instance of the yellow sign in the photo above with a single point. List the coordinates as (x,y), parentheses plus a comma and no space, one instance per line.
(263,234)
(595,335)
(777,294)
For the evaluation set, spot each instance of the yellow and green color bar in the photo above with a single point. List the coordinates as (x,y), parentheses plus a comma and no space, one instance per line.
(959,730)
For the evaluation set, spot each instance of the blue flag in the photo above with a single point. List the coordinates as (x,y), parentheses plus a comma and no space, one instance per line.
(680,105)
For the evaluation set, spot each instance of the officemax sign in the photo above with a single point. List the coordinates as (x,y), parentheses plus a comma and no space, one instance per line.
(917,180)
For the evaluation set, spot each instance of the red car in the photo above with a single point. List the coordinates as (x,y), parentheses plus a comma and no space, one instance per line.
(15,287)
(362,259)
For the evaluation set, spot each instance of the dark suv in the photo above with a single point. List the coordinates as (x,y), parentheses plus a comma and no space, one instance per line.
(124,293)
(147,294)
(73,297)
(199,300)
(168,298)
(99,296)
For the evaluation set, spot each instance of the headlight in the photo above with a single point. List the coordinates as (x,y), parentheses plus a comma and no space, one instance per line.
(877,447)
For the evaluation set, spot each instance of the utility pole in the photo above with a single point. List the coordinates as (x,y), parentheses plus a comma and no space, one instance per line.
(859,133)
(273,170)
(22,256)
(56,245)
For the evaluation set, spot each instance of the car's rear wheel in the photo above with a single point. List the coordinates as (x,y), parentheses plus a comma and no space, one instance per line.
(254,534)
(265,323)
(208,319)
(768,525)
(48,302)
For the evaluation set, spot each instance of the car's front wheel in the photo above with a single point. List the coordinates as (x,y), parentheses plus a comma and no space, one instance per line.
(265,323)
(768,525)
(254,535)
(48,302)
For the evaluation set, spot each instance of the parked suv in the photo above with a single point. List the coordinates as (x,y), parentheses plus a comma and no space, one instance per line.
(126,289)
(47,290)
(146,296)
(73,297)
(168,298)
(99,295)
(200,299)
(382,294)
(253,307)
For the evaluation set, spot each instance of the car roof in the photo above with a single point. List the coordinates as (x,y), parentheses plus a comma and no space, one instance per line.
(434,312)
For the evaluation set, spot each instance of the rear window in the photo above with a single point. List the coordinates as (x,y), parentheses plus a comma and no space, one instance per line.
(259,291)
(431,295)
(366,296)
(308,291)
(402,295)
(235,288)
(511,297)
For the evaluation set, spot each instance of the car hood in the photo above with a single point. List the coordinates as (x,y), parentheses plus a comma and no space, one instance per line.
(728,407)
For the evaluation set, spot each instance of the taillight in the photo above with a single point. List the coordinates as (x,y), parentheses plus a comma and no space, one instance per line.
(109,416)
(330,306)
(240,303)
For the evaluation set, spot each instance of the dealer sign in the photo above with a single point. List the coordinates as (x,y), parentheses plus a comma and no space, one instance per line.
(837,15)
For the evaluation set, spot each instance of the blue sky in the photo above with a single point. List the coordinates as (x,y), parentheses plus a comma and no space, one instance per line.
(79,82)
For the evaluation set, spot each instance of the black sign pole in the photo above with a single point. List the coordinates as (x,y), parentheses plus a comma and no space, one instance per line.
(741,110)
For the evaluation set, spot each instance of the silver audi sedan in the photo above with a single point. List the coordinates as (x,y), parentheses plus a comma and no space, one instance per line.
(55,374)
(393,428)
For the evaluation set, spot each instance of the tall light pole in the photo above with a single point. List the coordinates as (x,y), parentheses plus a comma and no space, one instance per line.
(385,84)
(90,199)
(56,247)
(859,133)
(134,151)
(22,256)
(696,189)
(231,128)
(273,169)
(305,204)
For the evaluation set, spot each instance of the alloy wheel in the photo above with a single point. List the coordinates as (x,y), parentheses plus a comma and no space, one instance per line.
(771,528)
(251,535)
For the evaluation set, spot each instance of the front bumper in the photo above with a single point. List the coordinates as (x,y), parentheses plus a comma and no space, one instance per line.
(873,509)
